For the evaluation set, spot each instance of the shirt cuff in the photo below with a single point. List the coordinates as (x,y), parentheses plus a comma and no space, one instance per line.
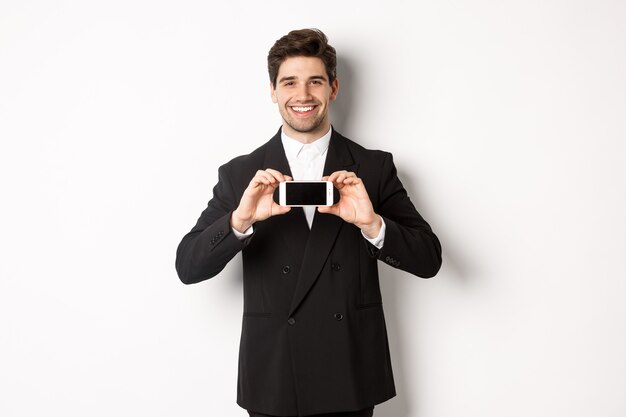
(379,240)
(243,236)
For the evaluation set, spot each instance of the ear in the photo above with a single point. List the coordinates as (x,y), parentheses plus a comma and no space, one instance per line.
(273,93)
(334,89)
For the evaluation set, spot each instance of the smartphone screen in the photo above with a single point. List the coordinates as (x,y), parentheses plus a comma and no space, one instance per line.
(305,193)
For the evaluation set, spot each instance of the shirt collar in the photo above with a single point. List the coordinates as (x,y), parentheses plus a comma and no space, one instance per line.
(293,147)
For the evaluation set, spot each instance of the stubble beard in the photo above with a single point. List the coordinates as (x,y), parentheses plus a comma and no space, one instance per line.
(305,127)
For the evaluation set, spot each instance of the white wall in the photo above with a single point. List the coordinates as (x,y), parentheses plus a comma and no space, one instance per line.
(507,122)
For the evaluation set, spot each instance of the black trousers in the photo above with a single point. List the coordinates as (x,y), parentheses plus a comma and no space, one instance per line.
(368,412)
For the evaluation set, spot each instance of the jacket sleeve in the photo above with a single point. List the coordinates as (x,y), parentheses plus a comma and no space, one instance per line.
(211,244)
(410,243)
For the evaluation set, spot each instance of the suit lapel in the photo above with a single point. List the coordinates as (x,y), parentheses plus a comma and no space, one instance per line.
(275,157)
(325,226)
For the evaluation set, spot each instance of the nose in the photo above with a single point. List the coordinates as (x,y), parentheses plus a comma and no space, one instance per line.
(303,94)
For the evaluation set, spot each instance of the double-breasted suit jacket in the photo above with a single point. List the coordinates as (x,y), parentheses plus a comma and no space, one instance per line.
(313,336)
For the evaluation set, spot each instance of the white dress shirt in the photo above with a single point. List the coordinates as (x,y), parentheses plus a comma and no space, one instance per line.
(306,162)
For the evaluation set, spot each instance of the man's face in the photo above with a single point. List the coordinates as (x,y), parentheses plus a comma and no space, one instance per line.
(303,94)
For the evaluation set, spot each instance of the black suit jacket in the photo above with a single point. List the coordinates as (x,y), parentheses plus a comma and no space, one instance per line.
(313,336)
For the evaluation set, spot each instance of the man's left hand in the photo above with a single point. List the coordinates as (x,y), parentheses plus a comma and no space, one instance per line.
(354,204)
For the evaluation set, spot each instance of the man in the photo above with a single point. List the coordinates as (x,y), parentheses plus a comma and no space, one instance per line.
(313,338)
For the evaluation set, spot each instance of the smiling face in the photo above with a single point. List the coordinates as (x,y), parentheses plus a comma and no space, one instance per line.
(303,94)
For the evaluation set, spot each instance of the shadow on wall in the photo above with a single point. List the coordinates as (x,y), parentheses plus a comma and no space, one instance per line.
(405,404)
(453,260)
(343,106)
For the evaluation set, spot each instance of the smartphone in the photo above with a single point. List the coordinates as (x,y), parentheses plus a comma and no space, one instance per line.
(306,193)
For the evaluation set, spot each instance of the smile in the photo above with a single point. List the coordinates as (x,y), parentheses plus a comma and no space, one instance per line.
(303,109)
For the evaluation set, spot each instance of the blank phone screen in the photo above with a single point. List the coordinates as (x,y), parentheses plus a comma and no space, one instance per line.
(305,193)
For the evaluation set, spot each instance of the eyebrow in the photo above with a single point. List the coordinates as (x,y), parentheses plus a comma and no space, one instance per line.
(293,78)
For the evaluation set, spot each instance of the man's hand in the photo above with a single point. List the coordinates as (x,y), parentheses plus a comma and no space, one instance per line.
(354,204)
(257,202)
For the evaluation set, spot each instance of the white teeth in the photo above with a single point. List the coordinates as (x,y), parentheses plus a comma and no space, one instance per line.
(302,109)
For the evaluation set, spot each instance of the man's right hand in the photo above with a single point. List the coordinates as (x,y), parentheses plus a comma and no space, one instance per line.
(257,202)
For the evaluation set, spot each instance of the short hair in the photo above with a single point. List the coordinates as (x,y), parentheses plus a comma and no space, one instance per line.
(302,42)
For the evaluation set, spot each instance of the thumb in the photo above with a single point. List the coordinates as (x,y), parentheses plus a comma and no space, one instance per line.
(278,209)
(329,210)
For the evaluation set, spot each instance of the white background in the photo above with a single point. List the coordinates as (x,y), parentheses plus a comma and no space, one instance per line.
(507,123)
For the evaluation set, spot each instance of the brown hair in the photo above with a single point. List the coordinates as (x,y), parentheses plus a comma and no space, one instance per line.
(302,42)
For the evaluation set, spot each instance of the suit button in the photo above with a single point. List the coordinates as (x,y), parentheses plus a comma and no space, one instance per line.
(338,316)
(335,267)
(392,261)
(286,269)
(291,321)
